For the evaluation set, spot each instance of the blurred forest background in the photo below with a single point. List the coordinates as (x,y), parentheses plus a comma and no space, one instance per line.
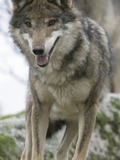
(13,68)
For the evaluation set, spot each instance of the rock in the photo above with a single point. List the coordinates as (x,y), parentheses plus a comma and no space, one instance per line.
(105,143)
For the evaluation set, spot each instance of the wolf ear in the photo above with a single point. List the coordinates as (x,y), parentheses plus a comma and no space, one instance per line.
(62,3)
(18,3)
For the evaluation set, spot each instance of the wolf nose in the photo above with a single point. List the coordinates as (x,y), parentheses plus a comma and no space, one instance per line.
(38,51)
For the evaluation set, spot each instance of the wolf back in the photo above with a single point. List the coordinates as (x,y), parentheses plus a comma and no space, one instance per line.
(107,14)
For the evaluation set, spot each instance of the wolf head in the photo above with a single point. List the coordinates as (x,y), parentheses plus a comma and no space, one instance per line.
(39,25)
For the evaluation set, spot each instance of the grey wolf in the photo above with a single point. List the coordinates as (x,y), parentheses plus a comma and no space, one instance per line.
(70,70)
(107,14)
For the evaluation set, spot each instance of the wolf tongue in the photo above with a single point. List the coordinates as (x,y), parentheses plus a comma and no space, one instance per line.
(42,60)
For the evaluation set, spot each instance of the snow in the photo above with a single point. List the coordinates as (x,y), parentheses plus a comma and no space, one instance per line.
(13,68)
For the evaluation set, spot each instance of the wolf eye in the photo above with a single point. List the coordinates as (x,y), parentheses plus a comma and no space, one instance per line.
(28,24)
(52,22)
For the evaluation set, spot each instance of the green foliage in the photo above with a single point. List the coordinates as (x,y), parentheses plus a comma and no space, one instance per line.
(116,103)
(95,157)
(103,119)
(8,148)
(112,122)
(12,115)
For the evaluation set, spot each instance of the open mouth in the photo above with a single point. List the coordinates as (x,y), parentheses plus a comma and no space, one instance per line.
(43,60)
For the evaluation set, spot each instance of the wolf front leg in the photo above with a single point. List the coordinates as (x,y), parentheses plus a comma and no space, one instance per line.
(70,133)
(40,121)
(86,126)
(26,155)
